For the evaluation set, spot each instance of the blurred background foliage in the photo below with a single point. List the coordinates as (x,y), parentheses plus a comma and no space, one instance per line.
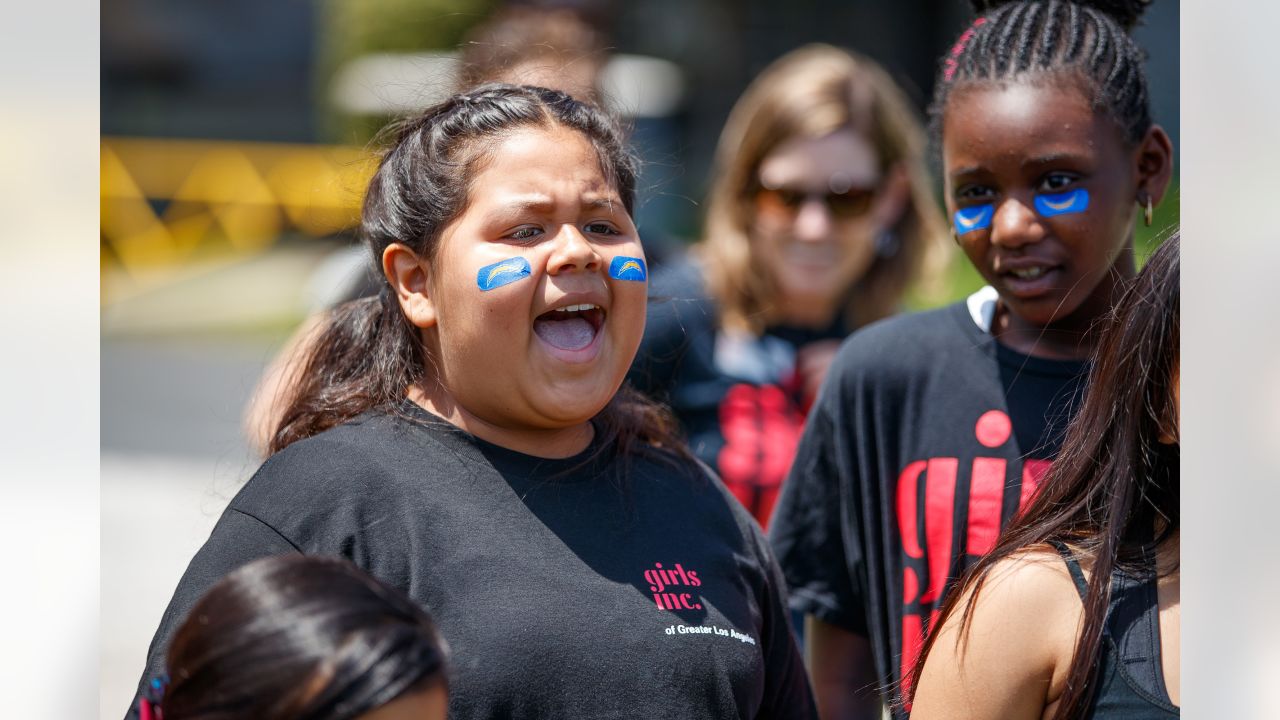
(349,30)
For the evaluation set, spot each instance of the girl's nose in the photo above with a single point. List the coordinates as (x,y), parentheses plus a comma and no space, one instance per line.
(1015,224)
(573,252)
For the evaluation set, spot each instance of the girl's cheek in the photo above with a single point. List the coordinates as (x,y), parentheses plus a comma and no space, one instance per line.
(628,268)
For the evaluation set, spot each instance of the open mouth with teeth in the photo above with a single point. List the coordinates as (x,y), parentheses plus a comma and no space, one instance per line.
(1029,273)
(573,327)
(1030,281)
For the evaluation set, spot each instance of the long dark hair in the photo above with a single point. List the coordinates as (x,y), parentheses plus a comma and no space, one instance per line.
(1115,481)
(368,355)
(294,637)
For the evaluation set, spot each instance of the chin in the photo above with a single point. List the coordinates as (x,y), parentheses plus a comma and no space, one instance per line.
(565,411)
(817,287)
(1045,311)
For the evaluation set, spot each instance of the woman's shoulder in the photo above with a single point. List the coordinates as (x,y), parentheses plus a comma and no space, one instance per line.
(1034,573)
(351,444)
(1029,598)
(340,464)
(907,347)
(1029,595)
(920,333)
(1004,651)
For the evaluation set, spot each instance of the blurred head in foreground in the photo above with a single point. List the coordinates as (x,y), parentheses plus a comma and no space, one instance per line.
(293,637)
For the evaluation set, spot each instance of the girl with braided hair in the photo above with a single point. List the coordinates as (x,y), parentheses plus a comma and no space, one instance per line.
(933,430)
(462,437)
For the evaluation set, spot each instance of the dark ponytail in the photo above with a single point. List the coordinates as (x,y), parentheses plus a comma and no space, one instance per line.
(367,354)
(1087,41)
(296,637)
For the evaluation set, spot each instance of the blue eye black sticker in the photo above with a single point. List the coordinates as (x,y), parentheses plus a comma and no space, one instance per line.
(974,218)
(1072,201)
(503,273)
(627,268)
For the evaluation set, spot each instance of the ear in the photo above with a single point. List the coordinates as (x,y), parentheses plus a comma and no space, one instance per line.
(893,197)
(410,278)
(1154,158)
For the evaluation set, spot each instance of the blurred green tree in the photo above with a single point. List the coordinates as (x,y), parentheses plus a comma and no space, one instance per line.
(350,29)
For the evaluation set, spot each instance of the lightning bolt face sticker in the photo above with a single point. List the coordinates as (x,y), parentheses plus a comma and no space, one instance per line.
(503,273)
(973,218)
(1072,201)
(628,268)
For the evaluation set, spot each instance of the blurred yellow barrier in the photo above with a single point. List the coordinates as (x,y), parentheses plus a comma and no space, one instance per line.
(165,202)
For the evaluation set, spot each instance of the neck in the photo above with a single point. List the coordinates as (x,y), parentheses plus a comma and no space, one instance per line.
(1052,342)
(551,443)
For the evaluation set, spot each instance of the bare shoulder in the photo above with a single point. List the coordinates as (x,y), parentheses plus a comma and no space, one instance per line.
(1009,659)
(1025,587)
(1032,574)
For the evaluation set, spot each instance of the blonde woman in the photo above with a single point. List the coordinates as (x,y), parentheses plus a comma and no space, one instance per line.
(819,217)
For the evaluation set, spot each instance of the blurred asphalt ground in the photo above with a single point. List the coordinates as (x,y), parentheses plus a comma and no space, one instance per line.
(179,361)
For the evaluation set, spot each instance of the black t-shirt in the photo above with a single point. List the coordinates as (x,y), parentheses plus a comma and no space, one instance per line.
(563,588)
(738,397)
(911,464)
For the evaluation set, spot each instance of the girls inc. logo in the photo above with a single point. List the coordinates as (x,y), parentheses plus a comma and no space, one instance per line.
(664,583)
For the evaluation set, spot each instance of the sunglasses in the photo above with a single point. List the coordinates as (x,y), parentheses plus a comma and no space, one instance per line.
(785,203)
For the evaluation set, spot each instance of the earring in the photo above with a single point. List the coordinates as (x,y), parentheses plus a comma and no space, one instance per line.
(887,244)
(1146,216)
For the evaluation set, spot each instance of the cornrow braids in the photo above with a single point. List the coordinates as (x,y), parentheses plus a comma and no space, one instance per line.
(1125,12)
(1086,41)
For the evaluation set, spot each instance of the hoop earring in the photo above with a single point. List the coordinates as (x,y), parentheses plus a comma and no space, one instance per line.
(1146,215)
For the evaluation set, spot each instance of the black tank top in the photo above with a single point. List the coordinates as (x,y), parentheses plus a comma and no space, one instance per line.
(1131,679)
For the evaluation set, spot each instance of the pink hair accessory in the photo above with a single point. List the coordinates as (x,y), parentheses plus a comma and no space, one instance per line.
(149,706)
(950,64)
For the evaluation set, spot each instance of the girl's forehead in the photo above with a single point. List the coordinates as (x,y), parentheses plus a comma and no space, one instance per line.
(539,140)
(536,159)
(987,121)
(998,106)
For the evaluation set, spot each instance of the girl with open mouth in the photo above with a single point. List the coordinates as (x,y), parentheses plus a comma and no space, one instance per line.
(462,437)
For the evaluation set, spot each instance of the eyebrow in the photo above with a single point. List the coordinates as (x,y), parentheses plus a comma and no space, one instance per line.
(1051,159)
(527,202)
(1035,161)
(601,201)
(966,170)
(543,203)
